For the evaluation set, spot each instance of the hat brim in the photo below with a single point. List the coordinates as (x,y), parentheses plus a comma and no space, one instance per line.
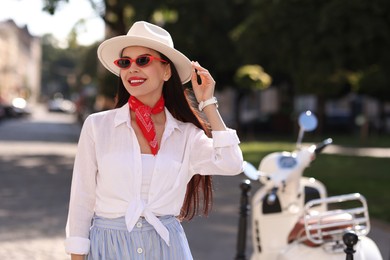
(111,49)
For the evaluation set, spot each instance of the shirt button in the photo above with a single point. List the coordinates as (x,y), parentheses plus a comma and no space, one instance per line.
(139,224)
(139,250)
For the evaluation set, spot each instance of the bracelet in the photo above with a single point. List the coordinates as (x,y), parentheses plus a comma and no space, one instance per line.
(203,104)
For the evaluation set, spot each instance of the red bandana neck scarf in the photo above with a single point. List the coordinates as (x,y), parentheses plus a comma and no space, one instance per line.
(143,118)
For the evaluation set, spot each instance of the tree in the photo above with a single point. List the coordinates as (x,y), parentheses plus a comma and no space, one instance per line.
(117,15)
(57,68)
(67,71)
(321,46)
(197,30)
(248,78)
(203,30)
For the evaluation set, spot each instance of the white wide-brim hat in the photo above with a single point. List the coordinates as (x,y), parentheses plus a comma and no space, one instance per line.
(146,35)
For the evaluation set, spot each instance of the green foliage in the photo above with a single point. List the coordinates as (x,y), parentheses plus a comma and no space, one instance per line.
(252,77)
(319,44)
(67,70)
(323,47)
(57,65)
(375,81)
(51,6)
(347,174)
(203,31)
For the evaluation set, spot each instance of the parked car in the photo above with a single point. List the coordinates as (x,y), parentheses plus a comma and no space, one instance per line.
(18,107)
(61,105)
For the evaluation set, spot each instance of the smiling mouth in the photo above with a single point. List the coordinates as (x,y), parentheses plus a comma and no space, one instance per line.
(136,82)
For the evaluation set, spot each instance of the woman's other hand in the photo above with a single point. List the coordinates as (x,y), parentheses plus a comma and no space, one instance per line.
(205,89)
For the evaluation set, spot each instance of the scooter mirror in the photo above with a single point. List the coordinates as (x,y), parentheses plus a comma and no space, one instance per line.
(307,121)
(250,171)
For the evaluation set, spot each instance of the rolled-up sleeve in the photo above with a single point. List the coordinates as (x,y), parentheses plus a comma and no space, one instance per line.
(220,155)
(77,245)
(225,138)
(82,196)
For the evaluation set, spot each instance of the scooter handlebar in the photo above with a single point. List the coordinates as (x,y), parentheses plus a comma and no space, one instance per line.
(322,145)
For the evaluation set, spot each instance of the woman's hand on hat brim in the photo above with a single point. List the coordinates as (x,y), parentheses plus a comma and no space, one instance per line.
(204,90)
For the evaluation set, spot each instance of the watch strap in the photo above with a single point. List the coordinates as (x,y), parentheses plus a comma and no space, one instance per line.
(203,104)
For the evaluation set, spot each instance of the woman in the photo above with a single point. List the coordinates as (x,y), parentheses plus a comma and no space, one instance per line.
(142,167)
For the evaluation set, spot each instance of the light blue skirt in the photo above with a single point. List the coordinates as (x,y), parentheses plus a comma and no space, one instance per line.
(110,239)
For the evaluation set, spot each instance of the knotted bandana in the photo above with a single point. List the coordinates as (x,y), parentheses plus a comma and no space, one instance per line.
(144,121)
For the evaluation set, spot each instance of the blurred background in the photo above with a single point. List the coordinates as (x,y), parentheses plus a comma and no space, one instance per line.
(271,60)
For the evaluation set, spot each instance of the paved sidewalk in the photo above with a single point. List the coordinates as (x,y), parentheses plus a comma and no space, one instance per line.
(369,152)
(45,248)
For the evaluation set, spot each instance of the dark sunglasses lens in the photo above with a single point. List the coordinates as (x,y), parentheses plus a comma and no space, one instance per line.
(123,63)
(143,61)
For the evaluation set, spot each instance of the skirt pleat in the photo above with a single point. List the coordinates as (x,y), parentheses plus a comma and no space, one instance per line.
(110,240)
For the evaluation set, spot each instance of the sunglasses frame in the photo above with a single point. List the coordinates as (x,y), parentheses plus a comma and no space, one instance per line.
(151,59)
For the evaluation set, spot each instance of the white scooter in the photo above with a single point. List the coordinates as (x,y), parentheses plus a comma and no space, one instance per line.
(293,218)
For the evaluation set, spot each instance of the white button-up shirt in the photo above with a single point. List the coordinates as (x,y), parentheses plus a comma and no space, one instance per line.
(107,172)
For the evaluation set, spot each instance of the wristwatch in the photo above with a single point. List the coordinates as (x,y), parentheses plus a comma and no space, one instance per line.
(203,104)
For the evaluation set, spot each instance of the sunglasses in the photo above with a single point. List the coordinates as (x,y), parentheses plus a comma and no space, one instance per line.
(141,61)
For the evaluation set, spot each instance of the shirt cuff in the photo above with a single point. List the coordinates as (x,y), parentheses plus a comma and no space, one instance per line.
(77,245)
(225,138)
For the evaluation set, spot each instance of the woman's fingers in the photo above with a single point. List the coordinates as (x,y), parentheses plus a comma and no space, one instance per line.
(203,73)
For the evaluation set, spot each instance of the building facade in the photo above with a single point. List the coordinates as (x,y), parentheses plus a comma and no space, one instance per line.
(20,63)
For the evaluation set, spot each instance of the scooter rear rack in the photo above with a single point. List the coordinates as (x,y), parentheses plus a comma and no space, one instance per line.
(346,213)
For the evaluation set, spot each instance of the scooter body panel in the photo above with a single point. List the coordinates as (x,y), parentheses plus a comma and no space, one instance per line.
(290,219)
(271,230)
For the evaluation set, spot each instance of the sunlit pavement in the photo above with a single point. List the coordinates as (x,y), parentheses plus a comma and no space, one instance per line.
(36,159)
(370,152)
(37,154)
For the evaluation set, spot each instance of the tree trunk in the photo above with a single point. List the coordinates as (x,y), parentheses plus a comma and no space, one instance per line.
(321,113)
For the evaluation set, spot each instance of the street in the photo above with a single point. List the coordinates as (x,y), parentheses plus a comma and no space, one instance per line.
(37,154)
(36,163)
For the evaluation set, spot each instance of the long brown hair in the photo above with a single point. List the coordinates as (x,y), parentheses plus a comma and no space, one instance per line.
(180,102)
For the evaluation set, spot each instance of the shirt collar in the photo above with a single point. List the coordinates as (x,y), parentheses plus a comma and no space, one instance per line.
(172,123)
(123,116)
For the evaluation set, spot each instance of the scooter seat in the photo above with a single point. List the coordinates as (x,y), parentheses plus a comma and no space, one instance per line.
(298,232)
